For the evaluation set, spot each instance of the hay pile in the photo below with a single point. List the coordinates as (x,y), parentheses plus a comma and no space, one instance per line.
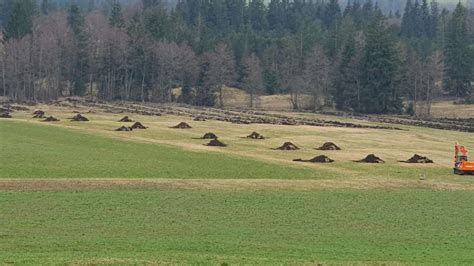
(182,125)
(288,146)
(124,129)
(209,135)
(51,119)
(255,135)
(317,159)
(329,146)
(216,143)
(138,125)
(371,158)
(125,119)
(418,159)
(79,118)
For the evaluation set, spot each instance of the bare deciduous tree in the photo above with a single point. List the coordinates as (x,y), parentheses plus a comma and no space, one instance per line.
(317,75)
(253,80)
(221,69)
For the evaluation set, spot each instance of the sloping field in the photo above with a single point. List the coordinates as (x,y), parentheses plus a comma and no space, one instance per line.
(82,193)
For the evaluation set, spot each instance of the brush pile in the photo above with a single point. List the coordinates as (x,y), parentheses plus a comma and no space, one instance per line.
(125,119)
(317,159)
(255,135)
(216,143)
(182,125)
(371,158)
(418,159)
(79,118)
(124,129)
(209,135)
(288,146)
(51,119)
(138,125)
(329,146)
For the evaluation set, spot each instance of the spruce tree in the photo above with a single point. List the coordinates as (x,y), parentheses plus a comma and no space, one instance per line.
(116,16)
(458,54)
(81,70)
(407,21)
(379,93)
(20,22)
(434,20)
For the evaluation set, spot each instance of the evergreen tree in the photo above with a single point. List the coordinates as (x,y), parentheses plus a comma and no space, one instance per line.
(45,6)
(20,21)
(459,56)
(257,14)
(434,20)
(332,13)
(116,16)
(80,71)
(425,26)
(406,30)
(379,93)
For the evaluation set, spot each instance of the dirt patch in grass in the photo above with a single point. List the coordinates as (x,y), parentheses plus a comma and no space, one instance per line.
(224,184)
(317,159)
(288,146)
(51,119)
(216,143)
(371,158)
(255,135)
(329,146)
(418,159)
(182,125)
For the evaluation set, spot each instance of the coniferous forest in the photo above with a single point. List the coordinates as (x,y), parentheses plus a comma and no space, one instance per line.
(355,56)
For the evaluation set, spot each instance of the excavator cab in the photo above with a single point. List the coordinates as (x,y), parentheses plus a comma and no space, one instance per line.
(462,166)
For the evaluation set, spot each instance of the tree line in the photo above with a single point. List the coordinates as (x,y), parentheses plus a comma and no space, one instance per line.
(353,57)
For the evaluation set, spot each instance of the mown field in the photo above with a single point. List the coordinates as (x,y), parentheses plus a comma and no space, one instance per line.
(80,193)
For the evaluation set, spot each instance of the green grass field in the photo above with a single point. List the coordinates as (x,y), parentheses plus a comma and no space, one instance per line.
(79,193)
(245,227)
(40,151)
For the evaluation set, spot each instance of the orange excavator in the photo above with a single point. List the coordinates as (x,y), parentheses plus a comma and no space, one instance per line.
(461,164)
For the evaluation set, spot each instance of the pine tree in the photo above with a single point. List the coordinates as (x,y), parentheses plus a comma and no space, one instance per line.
(116,16)
(458,54)
(379,93)
(20,22)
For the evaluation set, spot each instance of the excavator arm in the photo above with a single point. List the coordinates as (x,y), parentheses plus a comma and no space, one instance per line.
(462,165)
